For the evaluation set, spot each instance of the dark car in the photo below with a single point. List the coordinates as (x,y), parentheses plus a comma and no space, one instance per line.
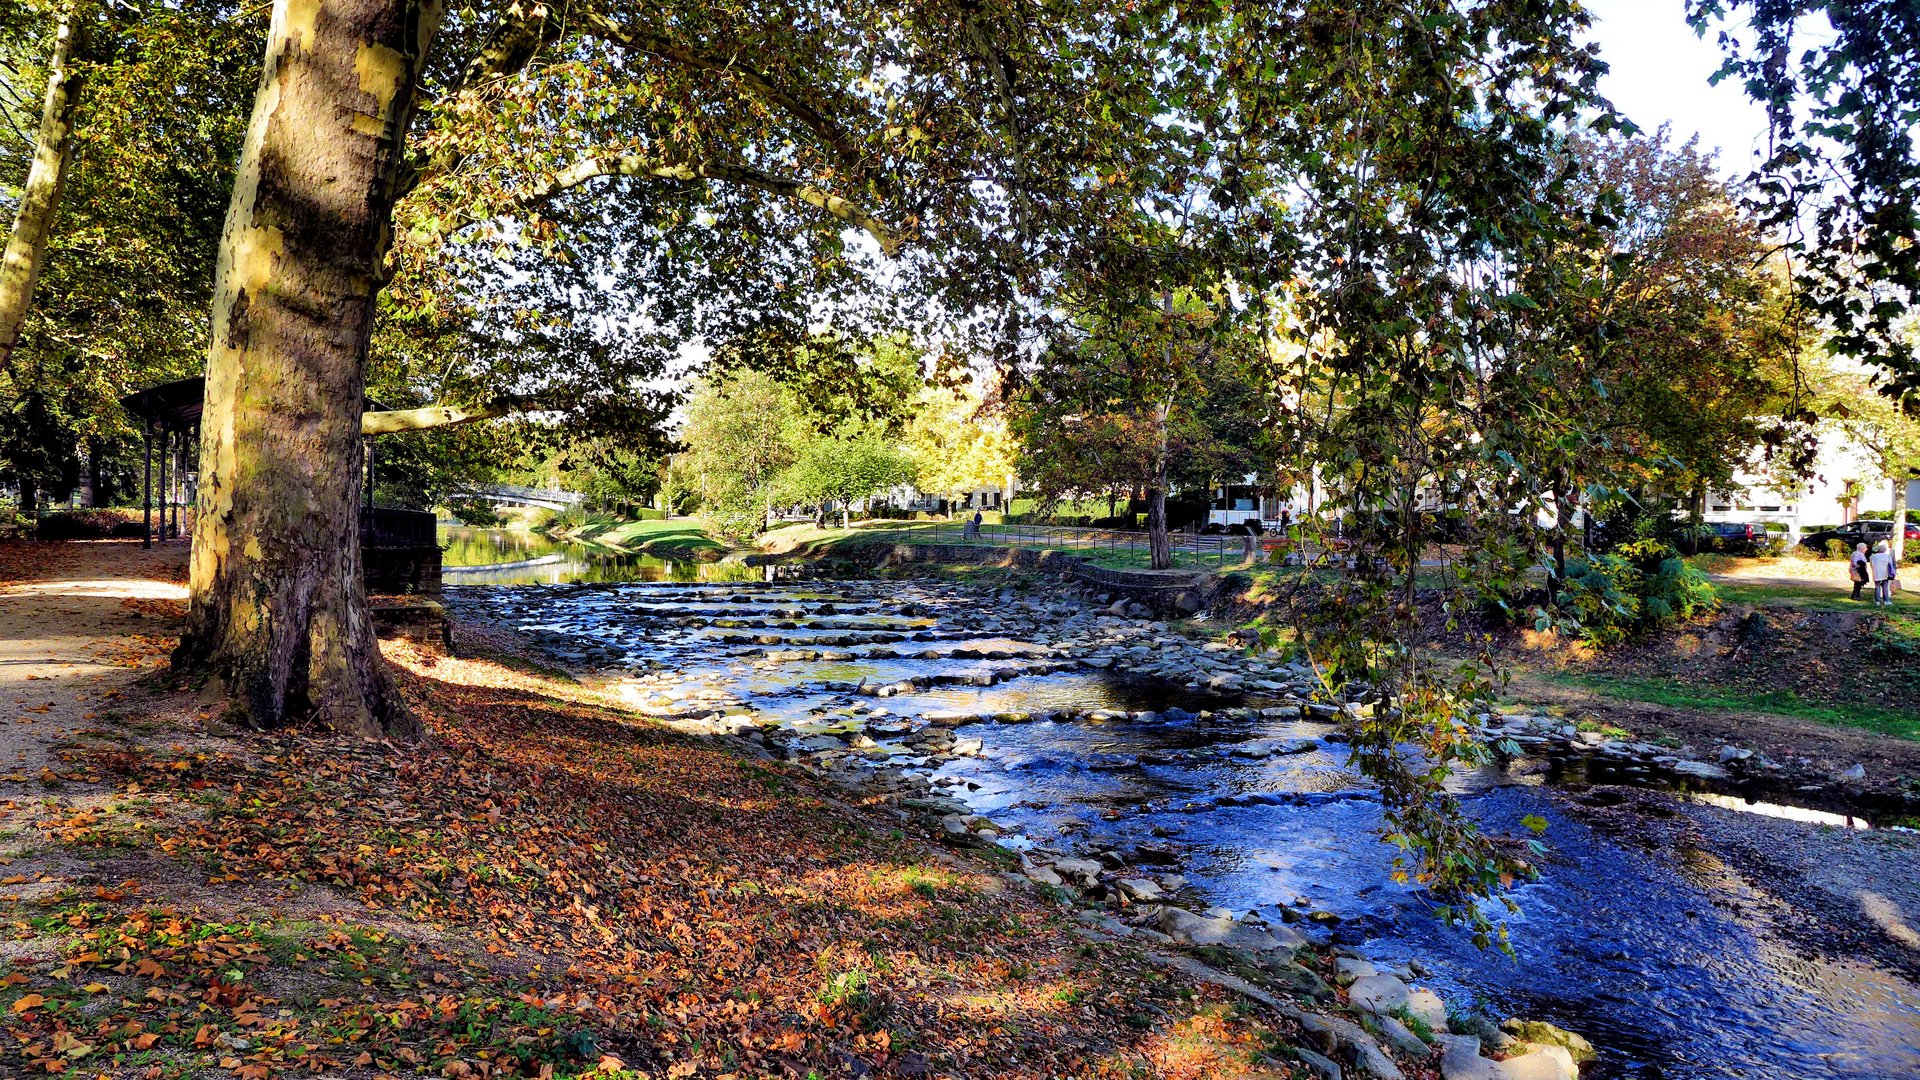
(1733,537)
(1855,532)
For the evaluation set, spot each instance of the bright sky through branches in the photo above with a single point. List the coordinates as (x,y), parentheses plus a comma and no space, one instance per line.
(1659,75)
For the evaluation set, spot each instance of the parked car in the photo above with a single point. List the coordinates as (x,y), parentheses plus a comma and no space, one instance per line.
(1733,537)
(1856,532)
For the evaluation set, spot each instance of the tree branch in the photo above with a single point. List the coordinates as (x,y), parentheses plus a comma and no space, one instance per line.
(843,146)
(427,417)
(635,165)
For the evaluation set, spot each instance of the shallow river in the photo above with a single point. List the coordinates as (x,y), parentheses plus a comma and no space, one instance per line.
(478,556)
(1664,928)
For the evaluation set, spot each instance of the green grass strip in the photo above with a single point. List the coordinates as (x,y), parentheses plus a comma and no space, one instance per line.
(1902,723)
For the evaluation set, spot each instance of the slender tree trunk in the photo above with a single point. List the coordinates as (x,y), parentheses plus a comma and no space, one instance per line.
(40,199)
(1159,542)
(279,607)
(98,493)
(1898,542)
(1562,520)
(29,498)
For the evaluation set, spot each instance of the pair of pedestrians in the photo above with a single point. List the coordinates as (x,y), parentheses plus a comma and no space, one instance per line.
(1877,568)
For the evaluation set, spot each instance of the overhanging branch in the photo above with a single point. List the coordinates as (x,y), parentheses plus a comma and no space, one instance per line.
(427,417)
(636,165)
(844,147)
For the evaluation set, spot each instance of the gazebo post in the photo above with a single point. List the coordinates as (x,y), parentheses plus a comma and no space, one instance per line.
(146,486)
(173,484)
(166,443)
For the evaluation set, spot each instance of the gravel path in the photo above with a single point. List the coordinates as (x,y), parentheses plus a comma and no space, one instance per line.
(77,623)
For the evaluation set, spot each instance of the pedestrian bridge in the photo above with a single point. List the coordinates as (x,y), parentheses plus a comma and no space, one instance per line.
(515,495)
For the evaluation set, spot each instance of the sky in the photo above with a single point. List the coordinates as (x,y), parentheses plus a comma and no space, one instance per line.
(1659,73)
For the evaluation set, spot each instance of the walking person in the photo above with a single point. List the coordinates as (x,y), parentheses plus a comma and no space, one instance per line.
(1857,569)
(1884,575)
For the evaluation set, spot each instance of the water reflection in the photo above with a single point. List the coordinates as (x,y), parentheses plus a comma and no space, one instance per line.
(477,556)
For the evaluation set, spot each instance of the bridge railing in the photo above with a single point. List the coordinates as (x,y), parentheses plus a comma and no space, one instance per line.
(521,494)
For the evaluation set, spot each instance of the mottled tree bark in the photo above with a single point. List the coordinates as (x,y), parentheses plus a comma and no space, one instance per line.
(279,608)
(40,198)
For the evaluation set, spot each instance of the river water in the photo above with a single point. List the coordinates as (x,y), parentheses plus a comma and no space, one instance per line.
(1685,939)
(478,556)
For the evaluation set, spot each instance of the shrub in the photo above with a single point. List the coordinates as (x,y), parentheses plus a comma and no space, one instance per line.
(476,512)
(1638,587)
(1836,548)
(86,525)
(1598,599)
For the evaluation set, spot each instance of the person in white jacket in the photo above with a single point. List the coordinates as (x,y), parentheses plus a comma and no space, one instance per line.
(1882,568)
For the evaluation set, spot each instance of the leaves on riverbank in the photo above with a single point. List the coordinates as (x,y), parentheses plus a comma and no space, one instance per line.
(546,889)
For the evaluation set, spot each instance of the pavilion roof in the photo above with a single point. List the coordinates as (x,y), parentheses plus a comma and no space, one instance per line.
(178,403)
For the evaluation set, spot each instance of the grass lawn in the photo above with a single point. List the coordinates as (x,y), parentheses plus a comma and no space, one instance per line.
(1814,596)
(1904,723)
(680,540)
(683,533)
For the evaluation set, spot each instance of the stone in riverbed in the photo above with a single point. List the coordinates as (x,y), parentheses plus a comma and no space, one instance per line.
(1301,979)
(1084,869)
(1190,929)
(1700,770)
(1380,994)
(1321,1067)
(1347,969)
(1139,889)
(1401,1037)
(1343,1038)
(1462,1061)
(1426,1006)
(1544,1034)
(1045,875)
(1370,1060)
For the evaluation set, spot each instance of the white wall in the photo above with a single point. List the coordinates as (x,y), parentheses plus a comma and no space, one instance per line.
(1820,498)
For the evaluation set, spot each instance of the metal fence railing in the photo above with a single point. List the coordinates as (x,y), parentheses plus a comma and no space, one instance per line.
(1118,548)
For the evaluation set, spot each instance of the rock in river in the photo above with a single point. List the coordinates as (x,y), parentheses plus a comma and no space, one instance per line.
(1462,1061)
(1190,929)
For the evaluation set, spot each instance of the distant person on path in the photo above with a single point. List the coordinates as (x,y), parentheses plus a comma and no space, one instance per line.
(1857,569)
(1884,574)
(972,531)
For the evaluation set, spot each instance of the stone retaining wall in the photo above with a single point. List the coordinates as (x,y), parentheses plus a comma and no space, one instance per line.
(1178,592)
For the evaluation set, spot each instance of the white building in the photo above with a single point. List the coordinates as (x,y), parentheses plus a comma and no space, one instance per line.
(1843,484)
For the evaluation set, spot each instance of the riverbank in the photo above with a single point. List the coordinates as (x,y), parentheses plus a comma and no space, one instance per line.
(675,539)
(1802,694)
(1163,777)
(549,886)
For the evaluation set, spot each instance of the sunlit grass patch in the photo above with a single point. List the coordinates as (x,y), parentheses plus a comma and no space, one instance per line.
(1812,596)
(1904,723)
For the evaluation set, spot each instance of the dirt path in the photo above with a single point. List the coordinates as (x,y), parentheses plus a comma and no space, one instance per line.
(75,638)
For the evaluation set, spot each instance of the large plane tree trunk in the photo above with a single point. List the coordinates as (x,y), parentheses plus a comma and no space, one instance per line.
(40,198)
(278,607)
